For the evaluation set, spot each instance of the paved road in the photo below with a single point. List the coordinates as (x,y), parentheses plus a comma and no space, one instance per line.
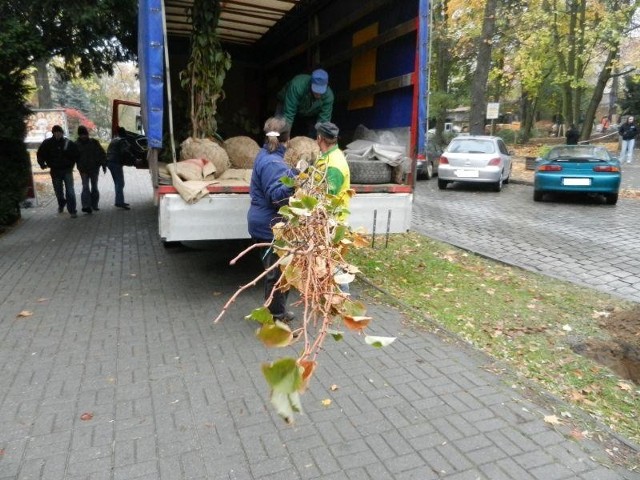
(121,328)
(585,242)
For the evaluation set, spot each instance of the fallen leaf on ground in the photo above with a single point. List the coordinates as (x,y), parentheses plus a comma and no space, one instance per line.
(86,416)
(334,387)
(552,419)
(326,402)
(624,386)
(576,434)
(25,313)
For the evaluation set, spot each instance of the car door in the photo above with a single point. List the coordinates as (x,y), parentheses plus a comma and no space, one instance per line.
(506,158)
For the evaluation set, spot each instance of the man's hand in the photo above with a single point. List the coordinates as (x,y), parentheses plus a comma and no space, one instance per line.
(104,169)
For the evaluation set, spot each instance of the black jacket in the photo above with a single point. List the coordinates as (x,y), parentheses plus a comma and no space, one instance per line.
(573,135)
(628,130)
(91,155)
(59,155)
(119,152)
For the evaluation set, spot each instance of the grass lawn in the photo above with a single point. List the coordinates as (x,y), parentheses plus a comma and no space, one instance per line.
(531,323)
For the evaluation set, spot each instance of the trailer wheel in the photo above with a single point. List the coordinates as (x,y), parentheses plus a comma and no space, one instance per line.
(369,171)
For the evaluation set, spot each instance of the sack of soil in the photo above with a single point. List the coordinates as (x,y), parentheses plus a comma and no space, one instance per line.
(301,148)
(208,150)
(242,151)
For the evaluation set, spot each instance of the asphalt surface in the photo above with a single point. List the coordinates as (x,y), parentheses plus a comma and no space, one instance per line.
(577,239)
(112,369)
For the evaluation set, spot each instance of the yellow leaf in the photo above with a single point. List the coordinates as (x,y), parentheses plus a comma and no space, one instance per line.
(326,402)
(333,387)
(24,313)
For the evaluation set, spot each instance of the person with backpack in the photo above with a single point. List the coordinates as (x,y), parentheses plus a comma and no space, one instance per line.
(119,154)
(91,157)
(59,155)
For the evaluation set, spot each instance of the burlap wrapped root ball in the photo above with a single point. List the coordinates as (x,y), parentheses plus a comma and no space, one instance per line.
(242,151)
(301,148)
(207,149)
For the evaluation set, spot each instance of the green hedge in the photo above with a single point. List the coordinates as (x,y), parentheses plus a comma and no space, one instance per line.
(14,157)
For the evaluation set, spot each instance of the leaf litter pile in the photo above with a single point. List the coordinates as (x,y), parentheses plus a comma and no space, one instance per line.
(577,343)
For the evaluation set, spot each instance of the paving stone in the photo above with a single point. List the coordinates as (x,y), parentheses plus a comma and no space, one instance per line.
(126,335)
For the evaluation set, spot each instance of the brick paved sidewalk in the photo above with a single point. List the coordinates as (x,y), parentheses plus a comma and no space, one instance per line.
(121,329)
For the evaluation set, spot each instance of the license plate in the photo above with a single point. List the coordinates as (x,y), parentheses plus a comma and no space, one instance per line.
(576,181)
(467,173)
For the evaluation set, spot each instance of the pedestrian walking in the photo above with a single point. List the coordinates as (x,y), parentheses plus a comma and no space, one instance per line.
(119,154)
(59,155)
(91,158)
(268,194)
(628,131)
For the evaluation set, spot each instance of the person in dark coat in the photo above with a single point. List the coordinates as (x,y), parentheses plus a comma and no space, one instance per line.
(91,157)
(573,135)
(119,154)
(59,155)
(628,131)
(268,194)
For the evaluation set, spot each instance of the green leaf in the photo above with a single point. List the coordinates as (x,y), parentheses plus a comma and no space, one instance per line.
(261,315)
(378,341)
(276,335)
(301,212)
(283,375)
(339,233)
(336,334)
(309,202)
(353,308)
(288,181)
(286,212)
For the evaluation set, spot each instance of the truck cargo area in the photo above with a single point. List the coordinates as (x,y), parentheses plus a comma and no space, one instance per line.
(375,54)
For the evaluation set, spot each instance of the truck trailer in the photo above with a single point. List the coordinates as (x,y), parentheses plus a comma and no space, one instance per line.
(375,53)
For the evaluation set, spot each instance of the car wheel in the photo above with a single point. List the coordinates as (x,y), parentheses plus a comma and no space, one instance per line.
(611,198)
(428,170)
(442,184)
(369,171)
(498,185)
(508,179)
(537,195)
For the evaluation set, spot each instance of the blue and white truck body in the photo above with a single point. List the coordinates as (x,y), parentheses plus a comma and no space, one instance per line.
(375,53)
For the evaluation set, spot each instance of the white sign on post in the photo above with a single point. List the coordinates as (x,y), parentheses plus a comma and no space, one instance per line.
(493,111)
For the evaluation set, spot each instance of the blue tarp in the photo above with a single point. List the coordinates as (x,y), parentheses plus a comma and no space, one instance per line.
(151,64)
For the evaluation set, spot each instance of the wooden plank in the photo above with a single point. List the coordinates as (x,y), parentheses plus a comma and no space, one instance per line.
(379,87)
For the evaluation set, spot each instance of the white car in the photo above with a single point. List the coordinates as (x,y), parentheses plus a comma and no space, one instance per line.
(475,159)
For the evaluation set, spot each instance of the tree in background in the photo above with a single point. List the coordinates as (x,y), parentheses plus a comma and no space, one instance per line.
(630,104)
(477,114)
(88,37)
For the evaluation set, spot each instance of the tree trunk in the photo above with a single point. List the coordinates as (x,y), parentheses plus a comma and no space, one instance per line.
(601,83)
(477,115)
(42,84)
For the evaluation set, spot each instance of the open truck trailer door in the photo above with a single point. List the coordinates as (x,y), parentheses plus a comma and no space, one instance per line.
(375,53)
(127,114)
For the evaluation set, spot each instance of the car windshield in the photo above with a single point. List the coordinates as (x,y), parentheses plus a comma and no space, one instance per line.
(582,153)
(471,145)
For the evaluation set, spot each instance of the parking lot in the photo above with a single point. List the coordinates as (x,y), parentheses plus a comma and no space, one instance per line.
(581,240)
